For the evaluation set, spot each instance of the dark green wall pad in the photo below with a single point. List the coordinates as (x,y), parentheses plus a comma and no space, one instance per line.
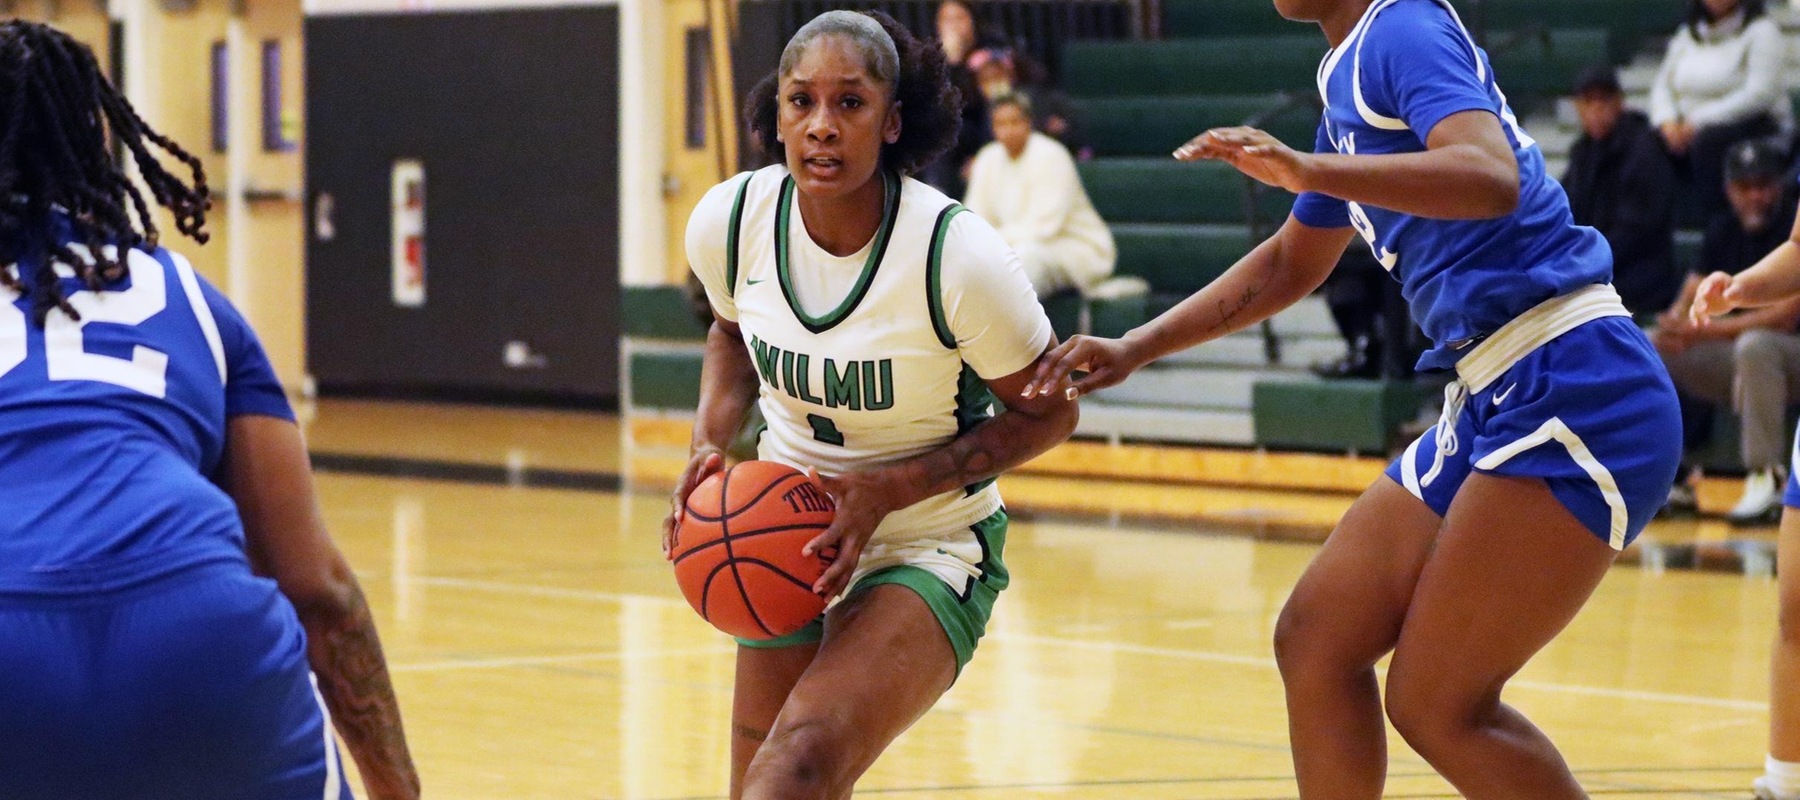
(1337,415)
(659,312)
(666,380)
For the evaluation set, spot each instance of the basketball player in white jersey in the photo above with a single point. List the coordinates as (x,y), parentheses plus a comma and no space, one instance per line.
(873,321)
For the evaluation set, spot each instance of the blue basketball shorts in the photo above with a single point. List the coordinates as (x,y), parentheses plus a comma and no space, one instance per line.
(1592,412)
(194,686)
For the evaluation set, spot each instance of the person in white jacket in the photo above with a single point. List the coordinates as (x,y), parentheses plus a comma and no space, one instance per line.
(1721,82)
(1024,183)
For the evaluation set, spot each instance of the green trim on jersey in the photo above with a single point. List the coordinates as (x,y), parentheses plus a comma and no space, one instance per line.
(890,212)
(934,282)
(964,615)
(975,403)
(731,237)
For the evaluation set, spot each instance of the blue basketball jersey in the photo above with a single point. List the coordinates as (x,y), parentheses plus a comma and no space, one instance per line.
(115,427)
(1406,66)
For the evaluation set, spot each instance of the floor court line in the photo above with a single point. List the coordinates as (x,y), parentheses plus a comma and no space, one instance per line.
(1269,663)
(1118,647)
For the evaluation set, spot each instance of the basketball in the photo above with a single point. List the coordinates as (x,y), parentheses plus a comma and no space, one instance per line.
(737,551)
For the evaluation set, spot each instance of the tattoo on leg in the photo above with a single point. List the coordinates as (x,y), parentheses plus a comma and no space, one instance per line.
(747,732)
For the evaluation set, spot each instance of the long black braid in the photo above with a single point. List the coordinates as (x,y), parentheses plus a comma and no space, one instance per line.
(56,111)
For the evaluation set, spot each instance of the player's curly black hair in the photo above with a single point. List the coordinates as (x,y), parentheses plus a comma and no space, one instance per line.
(930,110)
(58,109)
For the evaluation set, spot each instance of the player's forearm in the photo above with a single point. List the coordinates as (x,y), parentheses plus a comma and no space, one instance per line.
(1257,287)
(352,672)
(727,390)
(984,451)
(1460,181)
(1775,278)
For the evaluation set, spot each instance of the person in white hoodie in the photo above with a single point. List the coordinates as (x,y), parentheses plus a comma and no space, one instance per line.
(1721,82)
(1024,183)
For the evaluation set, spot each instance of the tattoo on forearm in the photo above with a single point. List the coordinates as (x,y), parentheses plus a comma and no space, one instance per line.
(987,450)
(353,677)
(1228,312)
(747,732)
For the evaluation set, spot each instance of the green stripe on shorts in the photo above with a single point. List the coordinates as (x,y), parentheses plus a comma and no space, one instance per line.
(964,615)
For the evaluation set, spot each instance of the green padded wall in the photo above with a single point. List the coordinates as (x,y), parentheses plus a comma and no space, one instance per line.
(658,312)
(665,380)
(1336,415)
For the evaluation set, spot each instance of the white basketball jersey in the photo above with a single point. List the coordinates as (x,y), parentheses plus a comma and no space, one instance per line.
(876,379)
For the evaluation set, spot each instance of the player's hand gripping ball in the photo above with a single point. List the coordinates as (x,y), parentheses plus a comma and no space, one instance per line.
(738,547)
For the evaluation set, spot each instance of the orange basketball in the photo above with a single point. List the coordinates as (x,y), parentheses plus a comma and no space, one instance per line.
(737,550)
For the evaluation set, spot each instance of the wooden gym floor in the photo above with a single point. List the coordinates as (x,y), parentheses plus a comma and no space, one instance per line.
(541,649)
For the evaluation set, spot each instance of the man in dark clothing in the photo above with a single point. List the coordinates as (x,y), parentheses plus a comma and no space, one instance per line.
(1751,359)
(1621,182)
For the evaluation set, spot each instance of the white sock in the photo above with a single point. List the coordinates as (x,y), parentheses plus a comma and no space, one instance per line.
(1781,778)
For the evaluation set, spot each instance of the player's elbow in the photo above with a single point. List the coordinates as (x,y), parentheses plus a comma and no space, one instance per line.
(1499,187)
(1062,419)
(326,595)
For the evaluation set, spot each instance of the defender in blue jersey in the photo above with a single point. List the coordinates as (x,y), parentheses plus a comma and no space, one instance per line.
(1559,437)
(1773,279)
(150,475)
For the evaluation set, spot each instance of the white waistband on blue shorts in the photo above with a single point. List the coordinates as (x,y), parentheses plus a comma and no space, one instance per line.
(1513,341)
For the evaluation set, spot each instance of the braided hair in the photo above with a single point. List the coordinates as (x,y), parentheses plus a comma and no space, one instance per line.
(56,111)
(930,106)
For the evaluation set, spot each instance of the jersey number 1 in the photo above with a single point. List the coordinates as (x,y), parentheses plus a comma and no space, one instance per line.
(65,354)
(825,430)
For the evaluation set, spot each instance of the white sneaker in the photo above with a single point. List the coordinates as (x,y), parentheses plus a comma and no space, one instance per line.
(1764,791)
(1761,503)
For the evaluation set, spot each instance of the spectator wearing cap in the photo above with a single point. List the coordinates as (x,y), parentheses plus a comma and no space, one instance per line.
(1620,182)
(1750,360)
(1025,184)
(1722,81)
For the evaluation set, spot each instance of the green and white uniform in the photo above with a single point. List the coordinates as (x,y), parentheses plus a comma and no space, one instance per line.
(876,357)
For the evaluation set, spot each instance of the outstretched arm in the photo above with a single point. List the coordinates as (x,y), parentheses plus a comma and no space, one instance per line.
(1468,170)
(267,472)
(1278,273)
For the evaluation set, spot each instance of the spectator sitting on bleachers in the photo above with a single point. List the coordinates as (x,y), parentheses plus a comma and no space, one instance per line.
(960,37)
(1620,181)
(1751,359)
(1722,81)
(1025,184)
(1000,71)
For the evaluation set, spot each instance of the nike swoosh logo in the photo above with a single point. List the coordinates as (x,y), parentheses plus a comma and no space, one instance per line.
(754,282)
(1501,397)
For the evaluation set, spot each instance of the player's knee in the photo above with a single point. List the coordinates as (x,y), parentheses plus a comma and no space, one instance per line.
(1431,714)
(1757,343)
(1301,639)
(802,759)
(1788,618)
